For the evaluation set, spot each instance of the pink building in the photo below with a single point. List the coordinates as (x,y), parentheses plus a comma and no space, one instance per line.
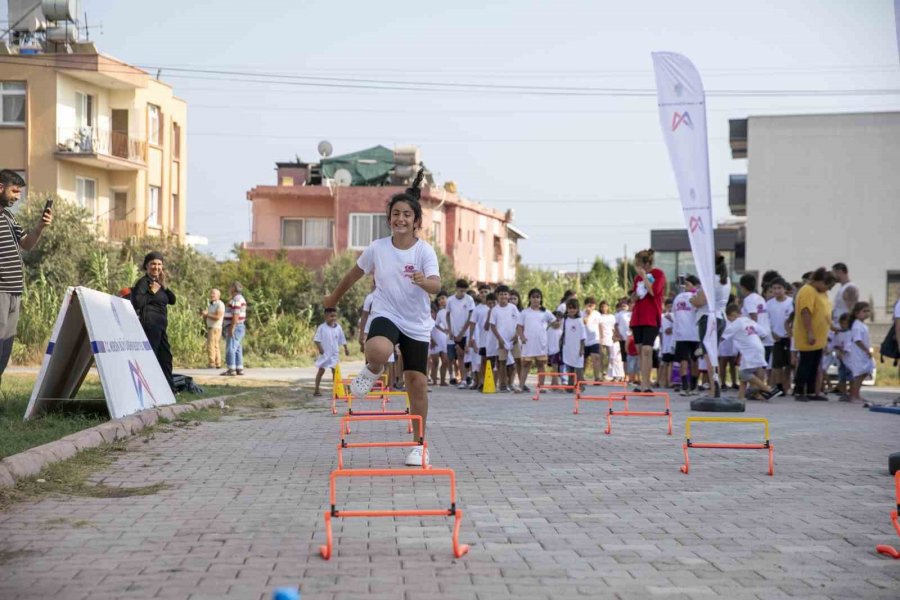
(311,218)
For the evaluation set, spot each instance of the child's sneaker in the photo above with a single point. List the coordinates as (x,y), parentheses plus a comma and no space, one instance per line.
(414,458)
(362,384)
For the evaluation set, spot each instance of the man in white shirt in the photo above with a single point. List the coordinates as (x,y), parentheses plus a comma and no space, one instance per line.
(847,294)
(459,316)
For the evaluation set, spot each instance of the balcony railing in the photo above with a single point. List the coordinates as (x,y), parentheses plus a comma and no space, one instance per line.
(92,140)
(123,230)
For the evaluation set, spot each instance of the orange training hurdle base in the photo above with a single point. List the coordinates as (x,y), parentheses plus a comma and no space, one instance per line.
(624,396)
(580,397)
(377,389)
(458,549)
(890,550)
(345,429)
(569,387)
(766,445)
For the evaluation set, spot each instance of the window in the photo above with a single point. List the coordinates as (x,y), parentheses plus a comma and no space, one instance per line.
(176,141)
(154,125)
(86,194)
(13,98)
(153,207)
(893,290)
(120,205)
(307,233)
(287,181)
(84,110)
(173,213)
(437,233)
(481,236)
(498,248)
(367,227)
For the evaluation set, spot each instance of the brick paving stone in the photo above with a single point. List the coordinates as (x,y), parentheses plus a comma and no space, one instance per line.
(553,508)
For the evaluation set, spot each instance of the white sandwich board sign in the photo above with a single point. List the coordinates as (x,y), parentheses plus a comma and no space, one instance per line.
(96,327)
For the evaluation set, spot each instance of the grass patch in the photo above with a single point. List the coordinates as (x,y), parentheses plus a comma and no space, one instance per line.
(70,478)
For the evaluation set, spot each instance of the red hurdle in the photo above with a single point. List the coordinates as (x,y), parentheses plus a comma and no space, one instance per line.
(883,548)
(570,387)
(581,397)
(766,445)
(458,549)
(626,412)
(375,394)
(345,429)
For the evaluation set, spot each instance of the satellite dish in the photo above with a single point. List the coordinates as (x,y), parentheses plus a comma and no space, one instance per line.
(343,177)
(325,149)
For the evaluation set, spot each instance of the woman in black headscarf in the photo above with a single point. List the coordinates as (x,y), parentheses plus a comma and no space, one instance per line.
(151,299)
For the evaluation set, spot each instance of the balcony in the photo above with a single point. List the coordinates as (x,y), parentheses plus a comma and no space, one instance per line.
(737,195)
(737,136)
(113,150)
(119,231)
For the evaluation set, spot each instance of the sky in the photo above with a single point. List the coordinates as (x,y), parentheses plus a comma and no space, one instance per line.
(583,166)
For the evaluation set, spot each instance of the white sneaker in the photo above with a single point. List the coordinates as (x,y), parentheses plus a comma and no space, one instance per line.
(362,384)
(414,458)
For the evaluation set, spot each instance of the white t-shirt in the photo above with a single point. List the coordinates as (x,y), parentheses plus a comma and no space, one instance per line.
(723,292)
(838,307)
(440,320)
(331,339)
(506,319)
(561,308)
(534,328)
(554,334)
(668,339)
(897,310)
(746,335)
(592,328)
(397,299)
(754,304)
(623,323)
(367,307)
(857,360)
(683,315)
(459,311)
(607,324)
(479,317)
(575,333)
(778,313)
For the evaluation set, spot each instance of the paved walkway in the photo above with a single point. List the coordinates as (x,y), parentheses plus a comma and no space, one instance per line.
(553,509)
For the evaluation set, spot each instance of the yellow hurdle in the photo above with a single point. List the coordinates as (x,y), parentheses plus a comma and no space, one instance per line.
(765,445)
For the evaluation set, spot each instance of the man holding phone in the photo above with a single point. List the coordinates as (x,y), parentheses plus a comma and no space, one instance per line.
(13,240)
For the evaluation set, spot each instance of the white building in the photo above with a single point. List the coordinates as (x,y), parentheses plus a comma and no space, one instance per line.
(822,189)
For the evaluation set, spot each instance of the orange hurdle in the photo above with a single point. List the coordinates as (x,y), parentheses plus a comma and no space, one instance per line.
(458,549)
(624,396)
(580,397)
(538,388)
(375,394)
(384,395)
(766,445)
(883,548)
(345,429)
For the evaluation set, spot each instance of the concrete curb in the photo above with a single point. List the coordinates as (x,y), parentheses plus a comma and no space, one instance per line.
(31,461)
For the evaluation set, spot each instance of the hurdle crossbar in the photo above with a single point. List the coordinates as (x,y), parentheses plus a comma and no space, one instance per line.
(765,445)
(581,397)
(626,412)
(345,429)
(458,549)
(375,394)
(544,387)
(895,520)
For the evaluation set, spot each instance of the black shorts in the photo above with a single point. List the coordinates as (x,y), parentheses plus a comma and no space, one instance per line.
(413,352)
(454,347)
(668,357)
(482,351)
(781,354)
(768,352)
(592,349)
(685,350)
(644,335)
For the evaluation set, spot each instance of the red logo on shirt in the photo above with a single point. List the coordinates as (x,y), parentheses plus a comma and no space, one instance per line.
(409,270)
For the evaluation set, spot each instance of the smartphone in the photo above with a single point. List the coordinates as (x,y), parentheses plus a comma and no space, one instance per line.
(48,205)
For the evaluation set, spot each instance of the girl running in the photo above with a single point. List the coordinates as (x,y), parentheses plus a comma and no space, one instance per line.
(406,274)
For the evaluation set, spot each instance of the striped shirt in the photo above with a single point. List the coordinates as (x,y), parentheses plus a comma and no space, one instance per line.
(11,234)
(236,310)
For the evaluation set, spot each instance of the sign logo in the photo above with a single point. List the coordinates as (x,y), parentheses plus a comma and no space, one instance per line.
(140,382)
(695,224)
(409,270)
(679,118)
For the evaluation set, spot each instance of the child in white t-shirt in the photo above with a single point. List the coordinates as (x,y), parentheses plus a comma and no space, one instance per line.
(328,339)
(406,274)
(532,332)
(859,357)
(503,321)
(438,350)
(746,335)
(607,335)
(623,328)
(591,320)
(573,337)
(554,353)
(667,346)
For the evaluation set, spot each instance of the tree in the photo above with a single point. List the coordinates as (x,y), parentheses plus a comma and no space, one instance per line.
(350,306)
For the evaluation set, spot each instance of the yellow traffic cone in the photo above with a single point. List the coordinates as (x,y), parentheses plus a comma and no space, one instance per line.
(338,382)
(488,387)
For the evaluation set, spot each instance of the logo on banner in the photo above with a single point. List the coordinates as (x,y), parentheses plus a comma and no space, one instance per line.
(695,224)
(679,118)
(140,382)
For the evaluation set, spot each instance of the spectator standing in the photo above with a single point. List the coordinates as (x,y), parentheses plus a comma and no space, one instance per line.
(459,314)
(13,240)
(151,298)
(646,317)
(686,334)
(847,294)
(234,329)
(778,308)
(812,323)
(214,315)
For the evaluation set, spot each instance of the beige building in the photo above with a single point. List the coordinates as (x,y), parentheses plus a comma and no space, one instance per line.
(99,133)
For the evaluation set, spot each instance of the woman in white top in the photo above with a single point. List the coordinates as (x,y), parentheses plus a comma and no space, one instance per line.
(532,332)
(406,274)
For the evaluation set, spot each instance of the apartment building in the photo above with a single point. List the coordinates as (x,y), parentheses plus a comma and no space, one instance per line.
(99,133)
(311,217)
